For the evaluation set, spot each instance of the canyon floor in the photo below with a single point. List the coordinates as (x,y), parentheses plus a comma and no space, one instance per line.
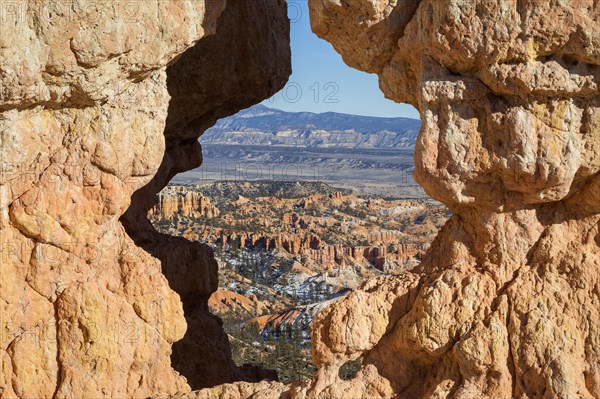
(287,250)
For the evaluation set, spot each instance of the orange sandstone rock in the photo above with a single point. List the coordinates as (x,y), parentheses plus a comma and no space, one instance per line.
(178,200)
(98,110)
(505,302)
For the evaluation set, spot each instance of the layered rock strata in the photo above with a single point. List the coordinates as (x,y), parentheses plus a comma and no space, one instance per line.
(177,200)
(98,101)
(337,231)
(505,302)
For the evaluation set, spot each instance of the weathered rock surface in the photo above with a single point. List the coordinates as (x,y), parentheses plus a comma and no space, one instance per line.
(177,200)
(98,100)
(96,105)
(296,316)
(505,302)
(224,301)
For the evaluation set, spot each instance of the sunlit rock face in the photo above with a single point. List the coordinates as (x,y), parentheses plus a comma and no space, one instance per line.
(96,100)
(505,303)
(101,104)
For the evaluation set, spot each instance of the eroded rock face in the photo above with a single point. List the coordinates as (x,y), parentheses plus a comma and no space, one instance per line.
(177,200)
(505,303)
(87,94)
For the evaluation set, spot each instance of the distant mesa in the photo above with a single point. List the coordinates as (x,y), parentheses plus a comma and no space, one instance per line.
(261,125)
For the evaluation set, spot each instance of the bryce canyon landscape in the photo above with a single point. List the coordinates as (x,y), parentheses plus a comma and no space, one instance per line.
(110,277)
(284,255)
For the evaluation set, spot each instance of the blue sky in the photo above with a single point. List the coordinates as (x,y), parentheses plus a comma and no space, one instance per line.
(321,82)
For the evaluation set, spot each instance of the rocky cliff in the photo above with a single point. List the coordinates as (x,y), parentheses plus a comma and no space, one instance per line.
(104,100)
(504,304)
(178,200)
(101,104)
(263,126)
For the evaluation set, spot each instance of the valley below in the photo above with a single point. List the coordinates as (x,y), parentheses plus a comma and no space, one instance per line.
(300,209)
(369,155)
(382,172)
(287,249)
